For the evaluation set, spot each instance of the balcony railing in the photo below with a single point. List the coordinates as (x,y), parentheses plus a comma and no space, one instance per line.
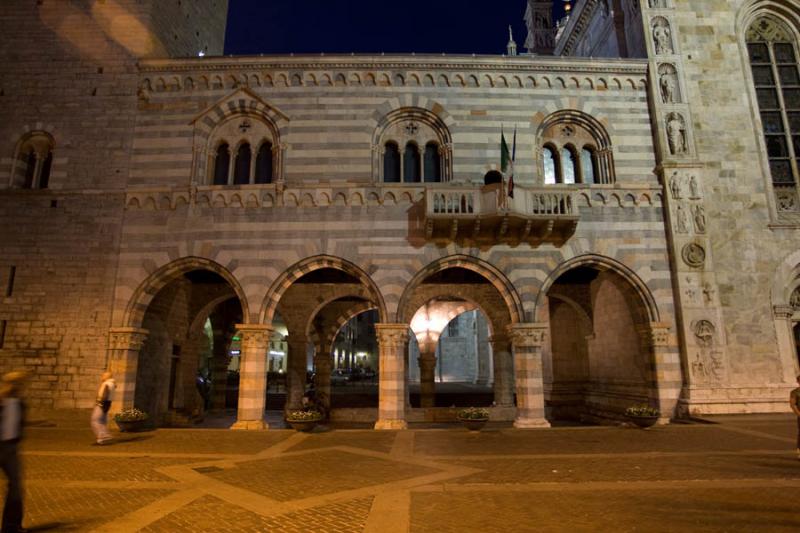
(487,215)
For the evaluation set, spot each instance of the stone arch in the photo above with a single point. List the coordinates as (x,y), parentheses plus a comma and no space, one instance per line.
(493,275)
(646,310)
(149,288)
(310,264)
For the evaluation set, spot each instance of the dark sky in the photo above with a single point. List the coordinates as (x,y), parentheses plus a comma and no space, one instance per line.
(373,26)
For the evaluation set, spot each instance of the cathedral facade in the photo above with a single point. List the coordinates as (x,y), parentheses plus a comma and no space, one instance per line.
(160,209)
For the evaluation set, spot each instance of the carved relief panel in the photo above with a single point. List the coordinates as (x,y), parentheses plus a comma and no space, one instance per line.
(662,36)
(668,84)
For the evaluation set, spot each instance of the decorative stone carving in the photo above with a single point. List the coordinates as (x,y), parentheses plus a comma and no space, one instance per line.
(527,334)
(681,223)
(693,255)
(127,339)
(786,199)
(391,335)
(794,300)
(704,332)
(700,371)
(675,186)
(708,292)
(676,134)
(699,215)
(668,84)
(662,36)
(657,4)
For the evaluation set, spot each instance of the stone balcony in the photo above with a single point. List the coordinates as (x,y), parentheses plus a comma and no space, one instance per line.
(486,215)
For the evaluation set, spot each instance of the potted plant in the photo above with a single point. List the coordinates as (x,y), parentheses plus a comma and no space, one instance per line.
(131,420)
(473,418)
(642,415)
(303,420)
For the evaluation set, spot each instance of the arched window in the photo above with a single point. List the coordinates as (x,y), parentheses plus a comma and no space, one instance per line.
(588,165)
(391,163)
(774,65)
(549,166)
(568,166)
(433,164)
(411,164)
(264,163)
(33,161)
(241,174)
(222,163)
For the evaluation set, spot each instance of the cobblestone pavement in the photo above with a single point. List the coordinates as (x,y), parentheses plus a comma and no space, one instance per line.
(738,474)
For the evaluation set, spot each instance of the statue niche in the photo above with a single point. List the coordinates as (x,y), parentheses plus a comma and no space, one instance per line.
(676,134)
(668,84)
(662,36)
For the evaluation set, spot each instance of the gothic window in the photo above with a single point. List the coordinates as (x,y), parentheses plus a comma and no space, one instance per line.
(411,163)
(774,65)
(575,149)
(391,163)
(222,163)
(236,160)
(432,171)
(414,147)
(33,162)
(241,174)
(549,166)
(264,163)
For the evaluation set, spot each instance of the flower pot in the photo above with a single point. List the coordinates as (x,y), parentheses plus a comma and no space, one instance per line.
(302,425)
(473,424)
(131,426)
(643,421)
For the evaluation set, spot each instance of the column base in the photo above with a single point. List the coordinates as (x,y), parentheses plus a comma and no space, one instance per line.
(531,423)
(391,424)
(250,425)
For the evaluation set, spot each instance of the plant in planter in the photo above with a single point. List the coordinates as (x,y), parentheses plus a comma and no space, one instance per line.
(130,420)
(642,415)
(473,418)
(303,420)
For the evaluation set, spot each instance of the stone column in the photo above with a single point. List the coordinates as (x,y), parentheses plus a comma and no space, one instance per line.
(665,374)
(503,370)
(392,339)
(527,340)
(427,378)
(252,375)
(787,350)
(124,345)
(323,363)
(296,371)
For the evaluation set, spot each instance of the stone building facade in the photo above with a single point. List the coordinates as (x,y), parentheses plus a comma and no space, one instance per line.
(645,255)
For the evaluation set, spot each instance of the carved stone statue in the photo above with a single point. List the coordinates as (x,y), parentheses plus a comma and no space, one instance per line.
(694,188)
(662,36)
(675,186)
(794,301)
(699,370)
(681,224)
(676,135)
(699,218)
(667,84)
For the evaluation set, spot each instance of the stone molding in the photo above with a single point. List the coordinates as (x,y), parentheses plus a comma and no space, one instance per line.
(654,334)
(257,334)
(528,335)
(391,336)
(127,338)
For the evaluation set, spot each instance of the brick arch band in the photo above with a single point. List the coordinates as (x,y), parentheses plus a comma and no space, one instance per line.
(327,337)
(308,265)
(149,288)
(489,272)
(635,290)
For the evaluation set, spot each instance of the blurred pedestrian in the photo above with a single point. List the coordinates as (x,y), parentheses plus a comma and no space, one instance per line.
(12,418)
(105,394)
(794,403)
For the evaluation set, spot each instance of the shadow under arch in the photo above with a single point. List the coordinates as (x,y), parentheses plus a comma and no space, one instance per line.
(601,263)
(308,265)
(149,288)
(491,273)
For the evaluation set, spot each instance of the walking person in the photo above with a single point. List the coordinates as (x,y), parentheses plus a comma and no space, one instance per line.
(12,417)
(794,403)
(105,394)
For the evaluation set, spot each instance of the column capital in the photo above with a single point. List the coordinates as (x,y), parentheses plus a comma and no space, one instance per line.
(655,334)
(260,333)
(500,338)
(127,338)
(391,335)
(528,334)
(783,311)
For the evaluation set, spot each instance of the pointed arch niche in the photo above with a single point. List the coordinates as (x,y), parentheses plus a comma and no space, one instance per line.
(412,145)
(238,142)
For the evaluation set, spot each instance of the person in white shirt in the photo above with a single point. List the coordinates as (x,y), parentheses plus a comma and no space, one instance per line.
(12,418)
(105,394)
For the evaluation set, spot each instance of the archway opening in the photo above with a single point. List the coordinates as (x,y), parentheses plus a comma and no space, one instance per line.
(186,366)
(796,330)
(598,363)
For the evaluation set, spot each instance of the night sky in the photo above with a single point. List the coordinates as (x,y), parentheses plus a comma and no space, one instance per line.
(373,26)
